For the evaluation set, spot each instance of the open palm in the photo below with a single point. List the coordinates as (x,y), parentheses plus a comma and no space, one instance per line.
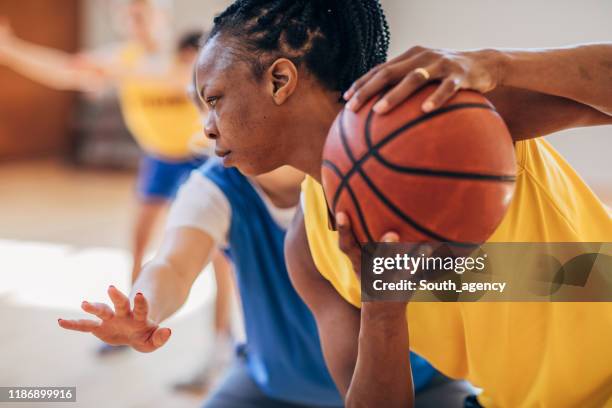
(123,326)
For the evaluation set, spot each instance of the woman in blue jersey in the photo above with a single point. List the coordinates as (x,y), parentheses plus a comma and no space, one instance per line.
(281,364)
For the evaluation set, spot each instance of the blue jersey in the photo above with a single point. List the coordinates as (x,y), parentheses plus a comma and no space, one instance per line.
(283,350)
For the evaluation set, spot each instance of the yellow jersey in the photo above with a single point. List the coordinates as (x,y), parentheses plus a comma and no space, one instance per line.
(520,354)
(161,117)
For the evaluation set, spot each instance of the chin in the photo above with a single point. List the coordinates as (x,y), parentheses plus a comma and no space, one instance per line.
(256,167)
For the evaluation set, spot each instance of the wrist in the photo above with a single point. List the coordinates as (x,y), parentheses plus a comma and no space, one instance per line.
(497,63)
(383,313)
(383,321)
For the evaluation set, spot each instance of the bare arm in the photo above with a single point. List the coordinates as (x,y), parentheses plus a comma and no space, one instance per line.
(167,279)
(531,114)
(366,352)
(84,72)
(51,67)
(536,91)
(160,290)
(582,73)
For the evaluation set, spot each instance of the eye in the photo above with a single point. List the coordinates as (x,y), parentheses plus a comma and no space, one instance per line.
(211,101)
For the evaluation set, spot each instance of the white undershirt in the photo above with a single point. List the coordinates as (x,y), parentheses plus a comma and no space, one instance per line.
(201,204)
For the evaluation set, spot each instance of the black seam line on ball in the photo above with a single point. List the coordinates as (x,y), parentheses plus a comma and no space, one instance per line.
(336,170)
(427,172)
(373,149)
(418,171)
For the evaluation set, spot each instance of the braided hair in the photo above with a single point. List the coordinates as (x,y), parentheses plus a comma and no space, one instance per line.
(336,40)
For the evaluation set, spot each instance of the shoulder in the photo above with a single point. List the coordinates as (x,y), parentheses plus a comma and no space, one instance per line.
(203,205)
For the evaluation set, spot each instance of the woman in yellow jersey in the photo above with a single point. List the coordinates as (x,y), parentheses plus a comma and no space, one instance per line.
(280,69)
(151,78)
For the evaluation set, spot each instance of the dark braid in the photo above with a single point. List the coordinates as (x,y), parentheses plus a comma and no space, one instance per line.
(337,40)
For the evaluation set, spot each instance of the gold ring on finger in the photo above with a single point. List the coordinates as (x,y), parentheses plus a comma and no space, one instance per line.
(422,72)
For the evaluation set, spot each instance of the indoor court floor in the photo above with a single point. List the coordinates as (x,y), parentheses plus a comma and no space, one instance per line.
(64,235)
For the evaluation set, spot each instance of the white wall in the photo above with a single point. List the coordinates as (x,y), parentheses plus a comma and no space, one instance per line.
(465,24)
(186,15)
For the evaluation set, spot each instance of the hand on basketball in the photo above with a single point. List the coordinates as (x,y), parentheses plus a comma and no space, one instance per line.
(349,245)
(124,325)
(403,75)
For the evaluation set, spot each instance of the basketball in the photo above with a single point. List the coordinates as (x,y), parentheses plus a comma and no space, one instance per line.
(443,176)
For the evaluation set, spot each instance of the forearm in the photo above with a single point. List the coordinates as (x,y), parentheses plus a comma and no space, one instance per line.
(382,375)
(165,289)
(50,67)
(582,73)
(531,114)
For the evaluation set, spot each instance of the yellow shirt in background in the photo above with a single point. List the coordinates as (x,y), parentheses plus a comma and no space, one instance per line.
(521,354)
(159,115)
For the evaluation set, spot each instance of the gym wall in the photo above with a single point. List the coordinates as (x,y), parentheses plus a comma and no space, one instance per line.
(35,120)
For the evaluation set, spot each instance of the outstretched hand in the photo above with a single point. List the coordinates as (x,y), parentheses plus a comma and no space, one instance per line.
(405,74)
(124,325)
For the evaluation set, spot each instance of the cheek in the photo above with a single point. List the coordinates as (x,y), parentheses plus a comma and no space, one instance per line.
(247,125)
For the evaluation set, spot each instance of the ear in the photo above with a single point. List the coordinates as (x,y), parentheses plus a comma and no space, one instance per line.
(282,77)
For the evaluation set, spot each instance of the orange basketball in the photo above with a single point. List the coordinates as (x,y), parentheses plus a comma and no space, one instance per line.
(443,176)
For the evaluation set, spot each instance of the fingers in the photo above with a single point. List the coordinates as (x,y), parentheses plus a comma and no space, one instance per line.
(366,77)
(445,91)
(407,86)
(156,340)
(380,79)
(141,307)
(83,325)
(120,301)
(347,242)
(425,249)
(101,310)
(390,237)
(358,84)
(402,75)
(160,336)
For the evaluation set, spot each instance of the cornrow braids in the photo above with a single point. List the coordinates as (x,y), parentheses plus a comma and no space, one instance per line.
(337,40)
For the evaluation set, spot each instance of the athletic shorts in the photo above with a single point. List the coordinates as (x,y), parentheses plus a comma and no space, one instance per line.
(160,179)
(238,390)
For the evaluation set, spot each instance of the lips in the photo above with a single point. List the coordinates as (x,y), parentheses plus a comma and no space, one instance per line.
(221,152)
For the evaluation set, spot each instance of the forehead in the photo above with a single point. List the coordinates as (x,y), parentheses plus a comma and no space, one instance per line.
(216,61)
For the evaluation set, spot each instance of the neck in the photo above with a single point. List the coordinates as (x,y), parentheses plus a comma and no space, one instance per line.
(307,153)
(282,186)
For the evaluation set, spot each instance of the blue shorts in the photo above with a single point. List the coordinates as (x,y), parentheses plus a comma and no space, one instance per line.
(238,390)
(159,179)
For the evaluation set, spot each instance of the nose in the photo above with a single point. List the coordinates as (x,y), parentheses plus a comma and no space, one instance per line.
(210,127)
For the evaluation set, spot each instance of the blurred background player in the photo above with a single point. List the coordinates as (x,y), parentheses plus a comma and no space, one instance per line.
(151,79)
(281,364)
